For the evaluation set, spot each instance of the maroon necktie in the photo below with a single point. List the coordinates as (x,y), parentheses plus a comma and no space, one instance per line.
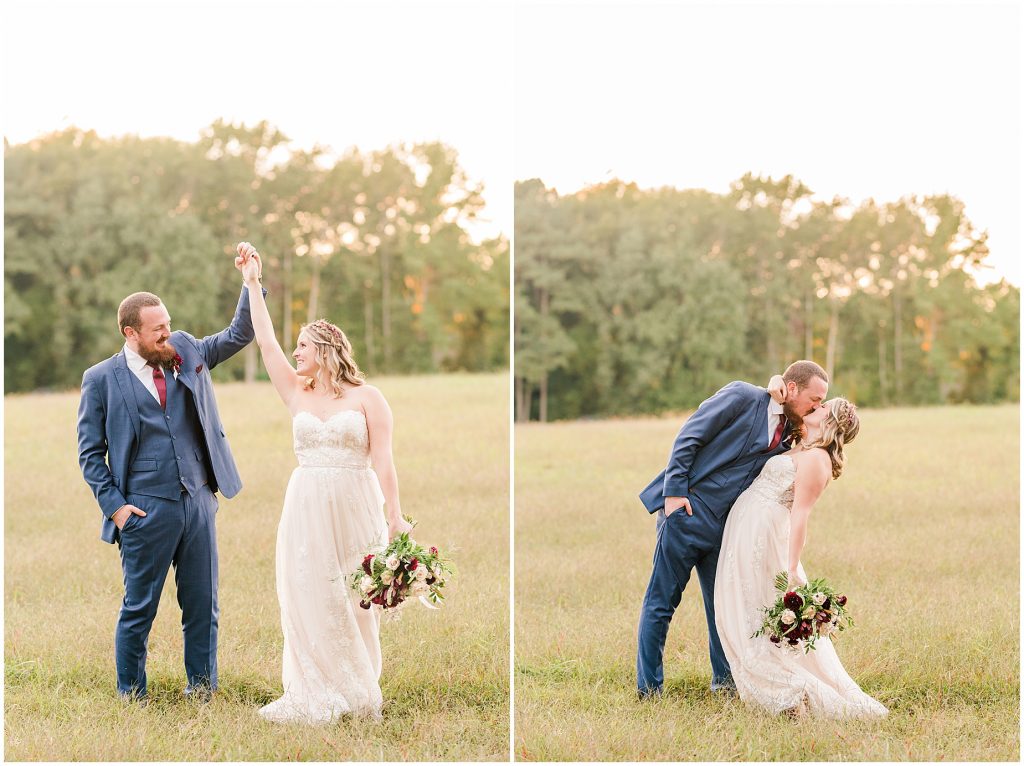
(778,435)
(161,384)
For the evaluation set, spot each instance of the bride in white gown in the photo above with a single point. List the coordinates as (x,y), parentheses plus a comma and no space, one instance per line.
(333,511)
(764,535)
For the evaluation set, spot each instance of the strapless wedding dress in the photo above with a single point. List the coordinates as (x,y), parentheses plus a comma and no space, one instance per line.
(333,512)
(755,547)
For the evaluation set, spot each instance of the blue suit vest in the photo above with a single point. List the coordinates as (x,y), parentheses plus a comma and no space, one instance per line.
(172,454)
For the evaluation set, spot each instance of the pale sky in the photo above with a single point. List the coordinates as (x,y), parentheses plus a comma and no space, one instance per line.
(857,99)
(334,73)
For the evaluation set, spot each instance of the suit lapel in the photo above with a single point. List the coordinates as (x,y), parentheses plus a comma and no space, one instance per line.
(123,377)
(185,380)
(755,442)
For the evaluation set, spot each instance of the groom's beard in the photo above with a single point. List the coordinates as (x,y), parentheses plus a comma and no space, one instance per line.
(795,419)
(163,355)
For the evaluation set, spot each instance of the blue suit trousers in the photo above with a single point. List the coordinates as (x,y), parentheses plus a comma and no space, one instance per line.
(181,534)
(684,543)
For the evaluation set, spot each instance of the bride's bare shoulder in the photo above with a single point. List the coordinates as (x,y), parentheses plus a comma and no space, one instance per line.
(814,461)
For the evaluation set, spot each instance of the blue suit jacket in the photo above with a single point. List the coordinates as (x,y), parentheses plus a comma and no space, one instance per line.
(718,452)
(109,424)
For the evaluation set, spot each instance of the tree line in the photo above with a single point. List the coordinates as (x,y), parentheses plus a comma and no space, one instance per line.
(376,241)
(641,301)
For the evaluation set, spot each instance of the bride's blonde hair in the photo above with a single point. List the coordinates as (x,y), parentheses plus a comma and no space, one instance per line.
(837,430)
(333,356)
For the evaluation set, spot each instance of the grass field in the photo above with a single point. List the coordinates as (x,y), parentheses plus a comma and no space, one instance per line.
(445,678)
(922,530)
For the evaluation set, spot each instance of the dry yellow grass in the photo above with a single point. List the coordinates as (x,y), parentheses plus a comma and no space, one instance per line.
(923,530)
(445,674)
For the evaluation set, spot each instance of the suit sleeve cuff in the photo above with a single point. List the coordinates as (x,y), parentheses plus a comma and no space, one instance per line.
(676,488)
(112,500)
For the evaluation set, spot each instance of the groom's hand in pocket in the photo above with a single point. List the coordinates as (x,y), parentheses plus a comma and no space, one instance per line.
(120,516)
(673,504)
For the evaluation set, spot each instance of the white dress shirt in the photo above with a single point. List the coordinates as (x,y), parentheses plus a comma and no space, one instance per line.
(142,371)
(775,415)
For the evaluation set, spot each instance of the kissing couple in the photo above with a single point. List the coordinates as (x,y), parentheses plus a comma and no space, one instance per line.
(734,503)
(153,449)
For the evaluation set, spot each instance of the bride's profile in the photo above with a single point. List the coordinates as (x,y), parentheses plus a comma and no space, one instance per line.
(334,509)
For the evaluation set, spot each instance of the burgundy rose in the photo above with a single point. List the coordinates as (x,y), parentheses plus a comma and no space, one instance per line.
(774,639)
(367,563)
(364,604)
(378,599)
(793,601)
(841,600)
(415,562)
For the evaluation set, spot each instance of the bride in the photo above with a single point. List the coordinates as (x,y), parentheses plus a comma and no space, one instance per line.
(332,512)
(764,535)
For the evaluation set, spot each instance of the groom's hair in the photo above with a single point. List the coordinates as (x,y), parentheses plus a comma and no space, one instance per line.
(129,313)
(801,373)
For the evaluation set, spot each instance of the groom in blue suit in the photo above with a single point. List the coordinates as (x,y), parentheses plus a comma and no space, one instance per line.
(717,454)
(152,448)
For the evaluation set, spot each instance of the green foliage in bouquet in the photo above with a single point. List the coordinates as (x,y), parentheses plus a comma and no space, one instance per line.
(803,615)
(404,568)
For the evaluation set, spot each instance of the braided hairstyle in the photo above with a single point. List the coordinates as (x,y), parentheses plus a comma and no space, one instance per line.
(333,356)
(837,430)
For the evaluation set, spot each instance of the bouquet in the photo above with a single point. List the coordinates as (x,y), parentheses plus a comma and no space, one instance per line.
(388,577)
(805,614)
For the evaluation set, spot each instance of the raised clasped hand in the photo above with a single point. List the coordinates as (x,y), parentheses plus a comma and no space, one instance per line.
(248,262)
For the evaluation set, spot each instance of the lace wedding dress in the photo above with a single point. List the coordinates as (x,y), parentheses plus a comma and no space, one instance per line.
(333,512)
(755,547)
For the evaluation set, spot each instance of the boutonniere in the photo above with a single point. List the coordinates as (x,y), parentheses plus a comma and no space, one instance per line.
(175,364)
(199,369)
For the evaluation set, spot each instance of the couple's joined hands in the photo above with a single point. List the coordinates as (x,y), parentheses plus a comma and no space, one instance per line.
(248,262)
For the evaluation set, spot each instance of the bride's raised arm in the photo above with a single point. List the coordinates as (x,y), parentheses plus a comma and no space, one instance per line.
(282,374)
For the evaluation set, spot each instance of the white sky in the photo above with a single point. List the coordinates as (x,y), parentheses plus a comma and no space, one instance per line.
(858,99)
(334,73)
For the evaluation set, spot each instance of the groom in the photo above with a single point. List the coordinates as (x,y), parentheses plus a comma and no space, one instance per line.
(153,450)
(717,454)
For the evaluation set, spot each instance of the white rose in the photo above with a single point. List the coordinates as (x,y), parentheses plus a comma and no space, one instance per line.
(419,588)
(387,576)
(420,574)
(788,617)
(366,584)
(819,598)
(392,563)
(809,612)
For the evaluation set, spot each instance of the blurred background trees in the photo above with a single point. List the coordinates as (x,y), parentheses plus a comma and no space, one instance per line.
(377,242)
(640,301)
